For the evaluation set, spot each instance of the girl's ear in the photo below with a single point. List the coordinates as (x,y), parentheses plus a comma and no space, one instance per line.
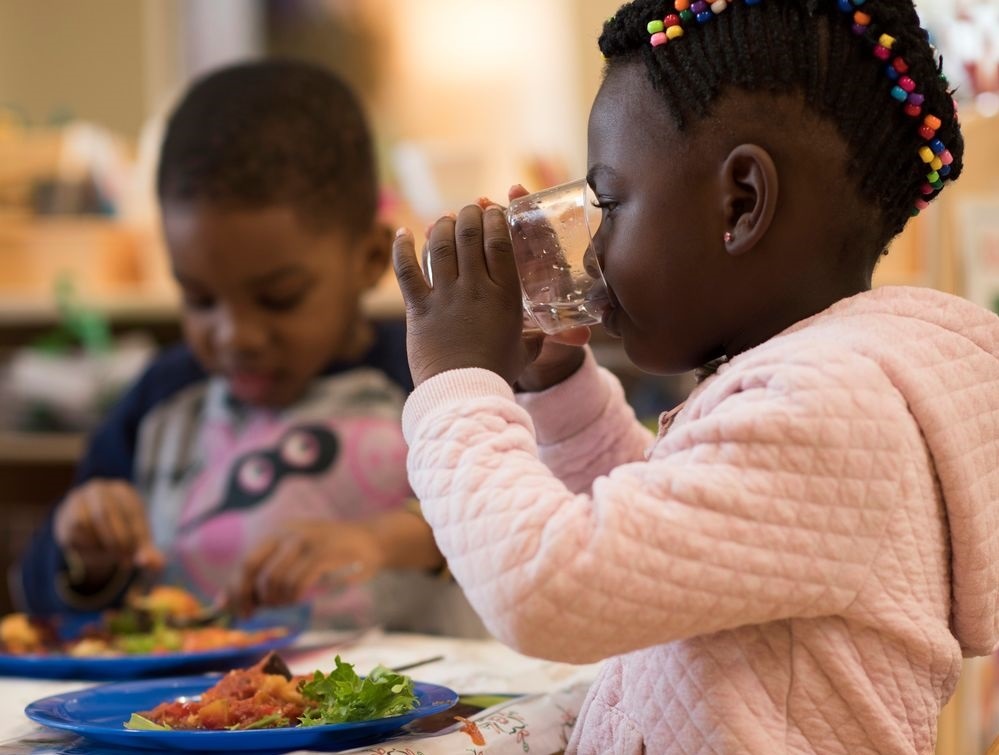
(375,254)
(749,195)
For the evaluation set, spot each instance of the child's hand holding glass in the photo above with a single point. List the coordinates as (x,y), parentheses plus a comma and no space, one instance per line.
(475,280)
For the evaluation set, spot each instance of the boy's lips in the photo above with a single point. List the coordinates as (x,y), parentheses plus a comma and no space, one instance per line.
(251,387)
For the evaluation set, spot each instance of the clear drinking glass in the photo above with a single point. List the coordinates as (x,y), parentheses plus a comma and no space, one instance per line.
(552,233)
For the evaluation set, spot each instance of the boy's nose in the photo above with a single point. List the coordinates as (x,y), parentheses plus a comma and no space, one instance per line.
(238,333)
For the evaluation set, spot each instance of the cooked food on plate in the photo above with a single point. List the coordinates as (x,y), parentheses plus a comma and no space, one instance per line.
(164,620)
(268,695)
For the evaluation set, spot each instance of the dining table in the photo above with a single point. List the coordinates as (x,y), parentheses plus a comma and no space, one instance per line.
(521,704)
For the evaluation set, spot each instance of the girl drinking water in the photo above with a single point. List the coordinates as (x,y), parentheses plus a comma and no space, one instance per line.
(798,559)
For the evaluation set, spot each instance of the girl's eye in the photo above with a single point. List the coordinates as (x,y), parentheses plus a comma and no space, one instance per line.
(605,205)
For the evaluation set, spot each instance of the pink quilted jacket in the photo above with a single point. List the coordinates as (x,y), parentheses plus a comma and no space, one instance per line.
(795,566)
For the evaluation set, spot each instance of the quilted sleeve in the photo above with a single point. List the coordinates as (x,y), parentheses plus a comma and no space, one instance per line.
(584,426)
(767,502)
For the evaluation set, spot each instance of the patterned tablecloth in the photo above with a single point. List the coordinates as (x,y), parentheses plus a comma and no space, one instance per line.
(537,718)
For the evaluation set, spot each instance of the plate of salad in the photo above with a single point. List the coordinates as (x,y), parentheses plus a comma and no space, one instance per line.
(262,708)
(165,631)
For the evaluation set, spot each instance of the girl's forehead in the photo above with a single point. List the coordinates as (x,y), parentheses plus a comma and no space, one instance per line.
(629,114)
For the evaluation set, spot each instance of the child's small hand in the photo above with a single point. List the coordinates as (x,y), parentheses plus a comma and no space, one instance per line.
(471,316)
(103,523)
(558,358)
(285,567)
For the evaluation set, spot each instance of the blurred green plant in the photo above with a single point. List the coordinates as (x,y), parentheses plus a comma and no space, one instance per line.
(79,327)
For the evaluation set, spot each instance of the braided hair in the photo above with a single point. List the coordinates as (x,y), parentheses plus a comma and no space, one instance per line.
(271,133)
(816,48)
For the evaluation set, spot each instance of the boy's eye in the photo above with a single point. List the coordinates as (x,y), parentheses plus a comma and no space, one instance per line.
(280,303)
(198,301)
(283,298)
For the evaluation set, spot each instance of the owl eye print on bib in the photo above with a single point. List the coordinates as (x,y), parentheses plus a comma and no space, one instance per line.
(308,450)
(345,470)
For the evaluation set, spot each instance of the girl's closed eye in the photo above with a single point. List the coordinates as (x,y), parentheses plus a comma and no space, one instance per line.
(607,205)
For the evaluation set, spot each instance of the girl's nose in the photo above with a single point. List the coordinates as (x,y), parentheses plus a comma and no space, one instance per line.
(591,261)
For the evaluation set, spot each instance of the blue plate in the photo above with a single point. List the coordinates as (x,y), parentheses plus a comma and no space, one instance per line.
(99,714)
(136,666)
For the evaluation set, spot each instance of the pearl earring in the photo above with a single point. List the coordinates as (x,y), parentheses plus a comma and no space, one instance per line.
(727,237)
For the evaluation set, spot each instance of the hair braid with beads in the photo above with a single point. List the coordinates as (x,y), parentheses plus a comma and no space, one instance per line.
(814,47)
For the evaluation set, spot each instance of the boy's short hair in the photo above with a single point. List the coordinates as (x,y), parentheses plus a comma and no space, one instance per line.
(273,133)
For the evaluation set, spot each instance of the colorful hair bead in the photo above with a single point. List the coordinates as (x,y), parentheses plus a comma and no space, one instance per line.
(932,121)
(946,157)
(683,6)
(922,204)
(702,16)
(671,27)
(861,21)
(926,154)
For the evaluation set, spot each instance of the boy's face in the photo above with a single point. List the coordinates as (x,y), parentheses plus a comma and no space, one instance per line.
(268,303)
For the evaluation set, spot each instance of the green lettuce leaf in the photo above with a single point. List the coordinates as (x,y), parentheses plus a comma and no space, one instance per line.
(141,723)
(342,695)
(270,721)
